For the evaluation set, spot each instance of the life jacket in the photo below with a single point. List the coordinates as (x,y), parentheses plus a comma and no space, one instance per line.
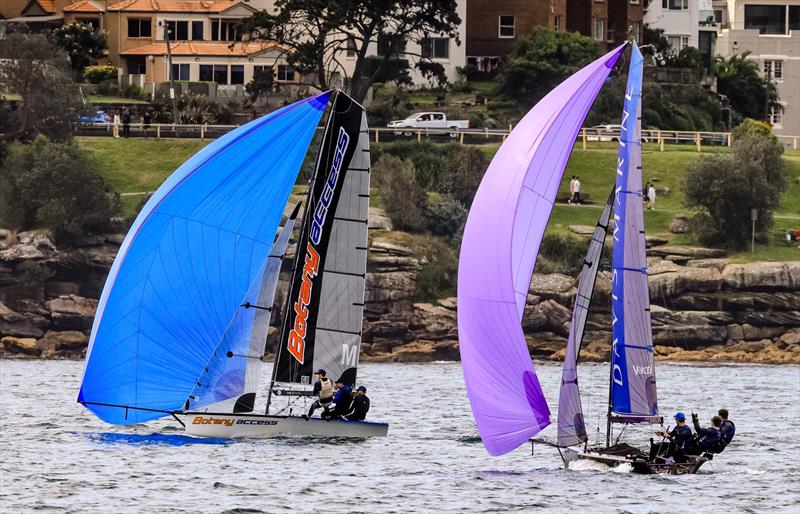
(727,431)
(326,388)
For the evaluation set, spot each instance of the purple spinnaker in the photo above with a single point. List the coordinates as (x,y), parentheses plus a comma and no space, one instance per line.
(571,426)
(501,241)
(633,379)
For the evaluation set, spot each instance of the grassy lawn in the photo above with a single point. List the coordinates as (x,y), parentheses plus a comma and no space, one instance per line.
(137,165)
(98,99)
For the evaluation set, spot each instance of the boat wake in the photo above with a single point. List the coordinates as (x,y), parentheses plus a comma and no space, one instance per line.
(155,439)
(590,465)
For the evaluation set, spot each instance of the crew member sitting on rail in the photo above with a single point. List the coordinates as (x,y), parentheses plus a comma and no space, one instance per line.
(727,429)
(679,439)
(323,387)
(707,439)
(342,401)
(358,412)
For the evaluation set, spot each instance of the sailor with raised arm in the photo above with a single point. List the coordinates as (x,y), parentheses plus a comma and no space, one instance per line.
(323,388)
(707,439)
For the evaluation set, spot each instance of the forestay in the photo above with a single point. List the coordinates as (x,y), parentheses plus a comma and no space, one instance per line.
(188,262)
(571,425)
(498,252)
(633,382)
(326,304)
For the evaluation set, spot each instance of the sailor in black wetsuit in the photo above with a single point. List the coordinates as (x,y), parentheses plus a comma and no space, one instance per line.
(342,401)
(726,429)
(679,439)
(358,412)
(707,439)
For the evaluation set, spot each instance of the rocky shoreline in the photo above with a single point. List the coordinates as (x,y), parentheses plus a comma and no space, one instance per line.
(704,307)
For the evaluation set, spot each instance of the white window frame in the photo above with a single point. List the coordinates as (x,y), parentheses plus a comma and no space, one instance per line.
(285,68)
(773,68)
(500,26)
(433,41)
(599,35)
(557,22)
(776,116)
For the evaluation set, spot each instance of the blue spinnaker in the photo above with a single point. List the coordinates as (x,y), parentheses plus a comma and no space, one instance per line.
(633,382)
(187,263)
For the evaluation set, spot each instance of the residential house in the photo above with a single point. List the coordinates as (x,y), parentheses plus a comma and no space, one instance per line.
(686,23)
(770,31)
(37,14)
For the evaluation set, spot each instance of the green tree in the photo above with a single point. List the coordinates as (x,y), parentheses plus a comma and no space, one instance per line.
(656,44)
(82,43)
(318,35)
(464,174)
(262,84)
(749,94)
(36,70)
(404,199)
(723,189)
(445,217)
(541,61)
(54,185)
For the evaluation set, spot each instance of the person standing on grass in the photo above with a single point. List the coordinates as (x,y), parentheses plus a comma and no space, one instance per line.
(651,196)
(126,123)
(115,125)
(146,119)
(576,186)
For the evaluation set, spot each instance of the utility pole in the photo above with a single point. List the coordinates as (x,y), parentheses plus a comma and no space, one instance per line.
(170,74)
(753,218)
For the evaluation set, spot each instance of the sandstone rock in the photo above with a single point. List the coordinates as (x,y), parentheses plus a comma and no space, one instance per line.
(737,300)
(717,264)
(101,257)
(690,336)
(70,340)
(750,346)
(427,351)
(689,251)
(448,303)
(26,346)
(677,259)
(85,240)
(434,321)
(115,239)
(379,220)
(21,252)
(791,337)
(651,241)
(553,286)
(659,266)
(762,275)
(60,288)
(390,287)
(72,312)
(679,224)
(27,305)
(782,319)
(15,324)
(735,332)
(661,316)
(555,315)
(382,245)
(752,333)
(667,285)
(6,238)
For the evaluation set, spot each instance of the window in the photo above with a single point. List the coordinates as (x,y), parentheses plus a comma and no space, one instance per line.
(635,2)
(180,72)
(636,31)
(599,29)
(351,47)
(136,65)
(390,43)
(178,30)
(214,73)
(675,5)
(557,23)
(139,27)
(768,19)
(225,31)
(197,30)
(237,74)
(285,73)
(261,69)
(794,17)
(436,47)
(774,70)
(610,32)
(506,29)
(678,43)
(775,116)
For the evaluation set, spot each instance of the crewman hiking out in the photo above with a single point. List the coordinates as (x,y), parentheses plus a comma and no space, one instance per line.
(342,401)
(726,429)
(360,408)
(707,439)
(323,388)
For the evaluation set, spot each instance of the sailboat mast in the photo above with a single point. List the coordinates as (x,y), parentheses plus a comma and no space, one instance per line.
(297,267)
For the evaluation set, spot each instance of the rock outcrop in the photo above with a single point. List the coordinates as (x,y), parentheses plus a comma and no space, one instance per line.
(704,307)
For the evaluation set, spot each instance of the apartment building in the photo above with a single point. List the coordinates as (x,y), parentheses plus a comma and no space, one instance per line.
(770,31)
(687,23)
(494,28)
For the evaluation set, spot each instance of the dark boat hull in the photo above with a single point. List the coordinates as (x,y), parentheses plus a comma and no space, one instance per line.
(638,460)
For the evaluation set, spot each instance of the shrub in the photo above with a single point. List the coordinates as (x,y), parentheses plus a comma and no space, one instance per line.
(464,174)
(437,278)
(390,103)
(100,73)
(561,254)
(724,189)
(445,217)
(751,126)
(54,185)
(430,159)
(404,199)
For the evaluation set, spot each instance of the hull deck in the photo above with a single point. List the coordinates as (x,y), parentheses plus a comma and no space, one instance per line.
(226,425)
(640,463)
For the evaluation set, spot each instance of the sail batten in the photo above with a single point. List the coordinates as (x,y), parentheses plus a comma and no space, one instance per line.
(501,240)
(190,257)
(633,385)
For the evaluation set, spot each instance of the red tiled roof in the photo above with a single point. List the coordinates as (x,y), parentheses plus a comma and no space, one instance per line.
(217,48)
(83,6)
(47,5)
(203,6)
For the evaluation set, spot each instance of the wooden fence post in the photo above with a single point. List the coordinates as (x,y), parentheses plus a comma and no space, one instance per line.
(660,141)
(376,136)
(461,138)
(730,139)
(697,141)
(583,138)
(202,132)
(419,135)
(158,131)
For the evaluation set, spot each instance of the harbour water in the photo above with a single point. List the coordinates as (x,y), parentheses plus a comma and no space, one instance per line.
(57,457)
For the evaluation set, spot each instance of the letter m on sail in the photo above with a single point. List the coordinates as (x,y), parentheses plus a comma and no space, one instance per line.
(349,354)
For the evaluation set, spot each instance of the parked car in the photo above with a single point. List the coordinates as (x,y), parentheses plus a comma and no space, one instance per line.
(97,117)
(606,132)
(432,120)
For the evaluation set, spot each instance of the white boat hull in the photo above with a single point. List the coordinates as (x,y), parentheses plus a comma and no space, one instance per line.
(260,426)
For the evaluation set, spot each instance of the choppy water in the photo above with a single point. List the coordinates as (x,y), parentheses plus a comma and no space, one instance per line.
(55,456)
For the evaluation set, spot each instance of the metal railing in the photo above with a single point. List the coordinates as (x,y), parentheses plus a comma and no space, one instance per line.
(660,138)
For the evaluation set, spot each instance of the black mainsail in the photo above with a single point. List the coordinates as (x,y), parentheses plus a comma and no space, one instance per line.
(324,309)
